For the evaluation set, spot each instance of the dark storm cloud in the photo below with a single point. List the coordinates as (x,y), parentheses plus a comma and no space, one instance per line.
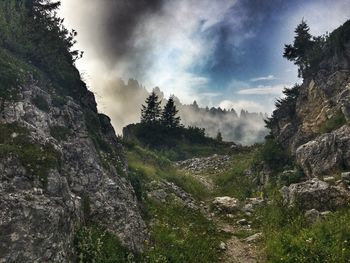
(119,23)
(192,48)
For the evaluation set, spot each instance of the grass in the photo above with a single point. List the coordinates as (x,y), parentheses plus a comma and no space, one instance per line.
(290,238)
(184,151)
(234,182)
(146,165)
(179,234)
(333,123)
(94,244)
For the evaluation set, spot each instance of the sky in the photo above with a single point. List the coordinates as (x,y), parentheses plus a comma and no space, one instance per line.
(225,53)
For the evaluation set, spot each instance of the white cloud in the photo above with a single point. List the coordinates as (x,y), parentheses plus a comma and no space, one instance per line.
(210,94)
(264,90)
(269,77)
(249,105)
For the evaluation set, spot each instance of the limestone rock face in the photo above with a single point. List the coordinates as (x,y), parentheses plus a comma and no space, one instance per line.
(41,210)
(315,194)
(323,96)
(325,153)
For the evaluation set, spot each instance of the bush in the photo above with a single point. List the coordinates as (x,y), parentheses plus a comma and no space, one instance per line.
(94,244)
(333,123)
(274,155)
(291,177)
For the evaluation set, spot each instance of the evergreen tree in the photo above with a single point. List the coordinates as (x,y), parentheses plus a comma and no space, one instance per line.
(169,118)
(151,112)
(219,137)
(301,48)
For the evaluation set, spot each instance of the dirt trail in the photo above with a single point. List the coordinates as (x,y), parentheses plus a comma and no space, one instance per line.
(237,251)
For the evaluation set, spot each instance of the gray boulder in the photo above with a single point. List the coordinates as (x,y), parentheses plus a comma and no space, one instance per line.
(226,204)
(326,153)
(315,194)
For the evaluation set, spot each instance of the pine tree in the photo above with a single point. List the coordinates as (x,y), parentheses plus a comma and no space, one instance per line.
(300,50)
(169,118)
(219,137)
(151,112)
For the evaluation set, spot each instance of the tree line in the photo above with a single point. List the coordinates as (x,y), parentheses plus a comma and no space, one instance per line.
(153,115)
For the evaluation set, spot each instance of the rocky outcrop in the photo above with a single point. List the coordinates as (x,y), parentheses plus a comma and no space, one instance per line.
(62,166)
(315,194)
(162,190)
(212,164)
(326,153)
(309,124)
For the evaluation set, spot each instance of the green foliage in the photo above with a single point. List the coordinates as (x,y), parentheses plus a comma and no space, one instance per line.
(308,51)
(299,51)
(284,106)
(289,237)
(169,118)
(234,182)
(219,137)
(37,159)
(93,244)
(146,166)
(333,123)
(41,102)
(151,112)
(176,143)
(273,154)
(291,177)
(32,32)
(14,73)
(180,234)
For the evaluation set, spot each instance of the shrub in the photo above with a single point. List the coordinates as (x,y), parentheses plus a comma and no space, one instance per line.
(333,123)
(94,244)
(291,177)
(274,155)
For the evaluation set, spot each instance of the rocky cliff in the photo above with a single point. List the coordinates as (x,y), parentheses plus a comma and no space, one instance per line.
(313,123)
(61,167)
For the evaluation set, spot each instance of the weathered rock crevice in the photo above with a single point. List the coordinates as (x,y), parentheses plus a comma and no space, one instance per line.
(42,205)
